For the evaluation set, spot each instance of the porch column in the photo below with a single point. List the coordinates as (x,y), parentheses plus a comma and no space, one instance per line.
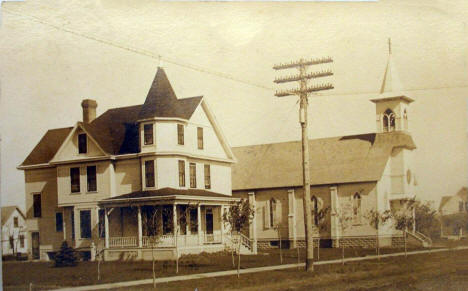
(140,231)
(199,224)
(414,219)
(221,212)
(174,219)
(253,225)
(106,227)
(292,226)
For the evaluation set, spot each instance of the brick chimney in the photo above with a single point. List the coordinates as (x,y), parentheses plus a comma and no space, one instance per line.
(89,110)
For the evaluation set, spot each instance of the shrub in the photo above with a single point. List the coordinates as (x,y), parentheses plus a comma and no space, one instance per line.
(66,256)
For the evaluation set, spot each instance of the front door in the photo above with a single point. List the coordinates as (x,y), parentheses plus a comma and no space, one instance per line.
(209,224)
(35,245)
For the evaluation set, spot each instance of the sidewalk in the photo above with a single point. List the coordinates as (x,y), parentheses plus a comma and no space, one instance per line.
(245,271)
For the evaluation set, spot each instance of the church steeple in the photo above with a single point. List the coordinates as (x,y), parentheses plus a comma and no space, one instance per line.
(392,105)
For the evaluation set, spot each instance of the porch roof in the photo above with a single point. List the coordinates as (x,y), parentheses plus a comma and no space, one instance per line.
(169,194)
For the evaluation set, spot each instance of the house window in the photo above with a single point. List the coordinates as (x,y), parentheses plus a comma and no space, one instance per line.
(388,121)
(21,238)
(15,221)
(12,242)
(180,134)
(37,205)
(200,137)
(460,206)
(148,134)
(91,176)
(167,217)
(357,208)
(101,225)
(82,143)
(182,173)
(193,175)
(75,179)
(58,221)
(193,220)
(149,173)
(85,223)
(207,177)
(315,210)
(272,212)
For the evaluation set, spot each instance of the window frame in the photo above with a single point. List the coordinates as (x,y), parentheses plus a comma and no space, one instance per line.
(78,189)
(315,210)
(37,210)
(21,239)
(181,165)
(180,134)
(85,233)
(207,175)
(80,149)
(200,140)
(150,178)
(58,227)
(101,223)
(88,179)
(15,221)
(193,175)
(273,203)
(146,133)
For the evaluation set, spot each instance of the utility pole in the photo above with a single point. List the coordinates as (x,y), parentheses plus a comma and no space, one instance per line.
(303,92)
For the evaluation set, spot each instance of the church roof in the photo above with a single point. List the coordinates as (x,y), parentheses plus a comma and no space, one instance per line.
(336,160)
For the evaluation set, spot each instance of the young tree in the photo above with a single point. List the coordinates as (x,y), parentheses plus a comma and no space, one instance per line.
(375,219)
(320,223)
(238,216)
(278,227)
(344,222)
(98,245)
(152,221)
(403,220)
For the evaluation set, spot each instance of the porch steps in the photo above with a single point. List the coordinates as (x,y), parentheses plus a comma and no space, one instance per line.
(421,238)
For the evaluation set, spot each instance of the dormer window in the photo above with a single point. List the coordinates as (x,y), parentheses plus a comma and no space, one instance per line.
(82,143)
(148,134)
(180,134)
(388,121)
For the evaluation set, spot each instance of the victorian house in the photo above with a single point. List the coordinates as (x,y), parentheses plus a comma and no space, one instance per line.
(115,182)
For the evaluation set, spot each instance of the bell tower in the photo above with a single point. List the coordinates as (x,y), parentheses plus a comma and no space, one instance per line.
(392,112)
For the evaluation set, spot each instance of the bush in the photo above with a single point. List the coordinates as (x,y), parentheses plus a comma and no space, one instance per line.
(66,256)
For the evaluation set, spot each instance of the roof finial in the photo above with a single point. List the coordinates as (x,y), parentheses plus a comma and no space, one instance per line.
(160,65)
(389,46)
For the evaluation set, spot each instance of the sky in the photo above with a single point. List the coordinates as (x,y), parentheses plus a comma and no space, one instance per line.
(56,53)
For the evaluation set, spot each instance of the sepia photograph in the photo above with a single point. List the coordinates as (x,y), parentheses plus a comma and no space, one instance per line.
(234,145)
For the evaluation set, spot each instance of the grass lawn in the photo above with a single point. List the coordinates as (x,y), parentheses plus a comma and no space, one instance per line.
(43,275)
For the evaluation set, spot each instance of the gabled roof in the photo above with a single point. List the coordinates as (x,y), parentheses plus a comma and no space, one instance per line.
(462,193)
(7,211)
(116,130)
(49,144)
(336,160)
(161,100)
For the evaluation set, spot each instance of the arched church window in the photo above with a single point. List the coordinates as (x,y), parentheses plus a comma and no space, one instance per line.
(272,212)
(315,210)
(388,121)
(405,119)
(357,208)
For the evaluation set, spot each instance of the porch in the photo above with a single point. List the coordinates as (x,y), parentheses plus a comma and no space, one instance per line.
(169,225)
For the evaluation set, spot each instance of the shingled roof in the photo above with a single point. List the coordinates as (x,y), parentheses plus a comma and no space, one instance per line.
(49,144)
(161,100)
(336,160)
(116,130)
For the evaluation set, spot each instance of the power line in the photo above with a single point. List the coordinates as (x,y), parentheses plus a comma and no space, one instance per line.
(195,67)
(139,51)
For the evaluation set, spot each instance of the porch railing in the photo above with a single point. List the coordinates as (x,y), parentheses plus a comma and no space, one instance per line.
(125,241)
